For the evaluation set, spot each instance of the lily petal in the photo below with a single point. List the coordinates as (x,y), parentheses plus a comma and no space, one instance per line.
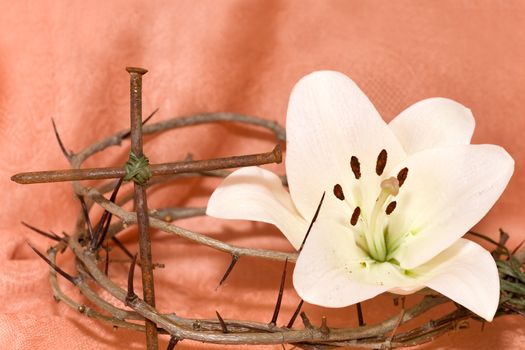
(434,122)
(448,190)
(328,269)
(330,120)
(253,193)
(467,274)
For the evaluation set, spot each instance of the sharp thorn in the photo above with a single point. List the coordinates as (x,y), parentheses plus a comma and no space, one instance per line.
(85,212)
(67,276)
(312,222)
(127,134)
(43,233)
(173,342)
(295,314)
(234,260)
(55,235)
(60,143)
(122,247)
(106,265)
(102,227)
(131,292)
(221,321)
(280,295)
(360,315)
(324,326)
(150,116)
(306,321)
(503,237)
(104,232)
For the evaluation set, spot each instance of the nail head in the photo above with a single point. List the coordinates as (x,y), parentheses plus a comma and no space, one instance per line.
(136,70)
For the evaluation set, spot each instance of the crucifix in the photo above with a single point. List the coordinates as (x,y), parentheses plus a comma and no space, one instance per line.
(138,170)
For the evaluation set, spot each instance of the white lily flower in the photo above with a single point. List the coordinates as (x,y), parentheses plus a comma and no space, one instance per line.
(399,197)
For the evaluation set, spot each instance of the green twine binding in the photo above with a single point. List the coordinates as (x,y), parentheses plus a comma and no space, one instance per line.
(137,169)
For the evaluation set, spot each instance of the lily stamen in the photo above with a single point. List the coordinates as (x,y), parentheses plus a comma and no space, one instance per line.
(355,216)
(338,192)
(390,207)
(381,162)
(402,176)
(356,167)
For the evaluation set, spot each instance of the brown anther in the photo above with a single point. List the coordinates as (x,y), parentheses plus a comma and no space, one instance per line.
(381,162)
(338,192)
(390,207)
(402,176)
(355,216)
(356,167)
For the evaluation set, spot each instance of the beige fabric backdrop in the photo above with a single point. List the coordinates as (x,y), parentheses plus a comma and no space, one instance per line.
(66,59)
